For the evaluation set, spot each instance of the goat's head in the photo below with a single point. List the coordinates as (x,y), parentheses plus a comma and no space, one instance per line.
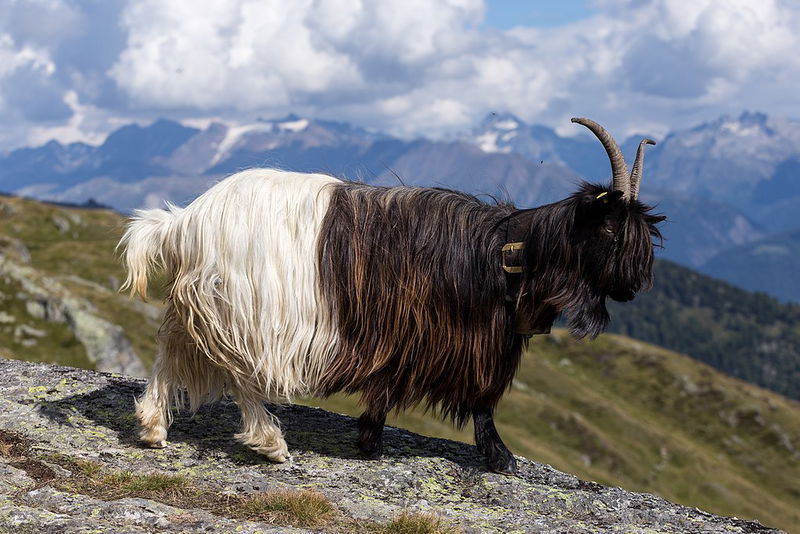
(595,244)
(616,227)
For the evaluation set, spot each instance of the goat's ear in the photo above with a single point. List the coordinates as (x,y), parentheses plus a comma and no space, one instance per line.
(595,207)
(600,205)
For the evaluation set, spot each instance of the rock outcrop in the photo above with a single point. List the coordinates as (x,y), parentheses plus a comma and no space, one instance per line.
(52,417)
(106,345)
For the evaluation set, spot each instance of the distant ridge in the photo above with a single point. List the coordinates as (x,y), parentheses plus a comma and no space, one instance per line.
(90,204)
(723,184)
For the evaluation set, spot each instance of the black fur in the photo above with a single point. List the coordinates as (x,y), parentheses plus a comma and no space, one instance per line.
(422,303)
(583,249)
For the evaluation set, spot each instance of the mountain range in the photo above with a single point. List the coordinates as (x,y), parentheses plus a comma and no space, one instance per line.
(729,186)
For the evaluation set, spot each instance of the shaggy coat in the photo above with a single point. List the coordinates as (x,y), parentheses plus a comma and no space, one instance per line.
(414,280)
(283,284)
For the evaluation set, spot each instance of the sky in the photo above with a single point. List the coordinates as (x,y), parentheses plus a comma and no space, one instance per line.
(73,70)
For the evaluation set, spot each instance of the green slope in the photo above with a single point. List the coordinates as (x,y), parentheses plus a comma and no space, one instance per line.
(70,253)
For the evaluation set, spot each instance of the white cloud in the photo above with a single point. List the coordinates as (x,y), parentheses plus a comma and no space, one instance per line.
(27,88)
(53,54)
(86,124)
(671,63)
(14,57)
(407,66)
(262,55)
(39,22)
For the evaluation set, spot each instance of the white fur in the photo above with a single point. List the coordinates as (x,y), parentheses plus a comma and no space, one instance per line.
(245,314)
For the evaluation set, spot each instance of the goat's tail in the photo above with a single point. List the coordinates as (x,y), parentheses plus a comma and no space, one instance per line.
(146,246)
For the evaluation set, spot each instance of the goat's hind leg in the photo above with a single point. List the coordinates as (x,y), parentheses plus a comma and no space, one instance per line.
(260,429)
(370,432)
(178,365)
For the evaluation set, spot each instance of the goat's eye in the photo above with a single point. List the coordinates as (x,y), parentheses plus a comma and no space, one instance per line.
(608,229)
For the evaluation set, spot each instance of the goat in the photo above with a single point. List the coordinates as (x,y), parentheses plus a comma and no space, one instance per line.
(284,284)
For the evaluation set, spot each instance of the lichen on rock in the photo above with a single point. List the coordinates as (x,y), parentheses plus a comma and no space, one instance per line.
(83,415)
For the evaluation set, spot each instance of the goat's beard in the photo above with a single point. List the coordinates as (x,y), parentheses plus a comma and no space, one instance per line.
(583,306)
(587,315)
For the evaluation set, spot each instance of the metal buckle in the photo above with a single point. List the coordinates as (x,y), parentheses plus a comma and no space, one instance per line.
(507,248)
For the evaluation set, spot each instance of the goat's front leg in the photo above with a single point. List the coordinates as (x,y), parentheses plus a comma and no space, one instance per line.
(498,458)
(153,407)
(370,432)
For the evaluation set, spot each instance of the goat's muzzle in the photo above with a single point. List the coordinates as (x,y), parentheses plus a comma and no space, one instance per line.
(622,295)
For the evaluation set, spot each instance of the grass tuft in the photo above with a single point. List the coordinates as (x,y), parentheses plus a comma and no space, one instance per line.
(419,523)
(306,508)
(144,485)
(87,468)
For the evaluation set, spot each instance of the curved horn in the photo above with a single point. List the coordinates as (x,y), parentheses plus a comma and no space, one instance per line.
(636,172)
(618,166)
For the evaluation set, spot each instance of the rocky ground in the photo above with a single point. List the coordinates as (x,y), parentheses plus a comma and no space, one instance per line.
(60,427)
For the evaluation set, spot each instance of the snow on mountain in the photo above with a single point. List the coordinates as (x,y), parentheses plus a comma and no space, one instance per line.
(506,133)
(234,134)
(293,125)
(488,142)
(726,158)
(237,135)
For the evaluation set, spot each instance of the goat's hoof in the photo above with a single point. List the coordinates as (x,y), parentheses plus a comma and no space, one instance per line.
(277,453)
(370,451)
(370,455)
(274,457)
(505,464)
(155,438)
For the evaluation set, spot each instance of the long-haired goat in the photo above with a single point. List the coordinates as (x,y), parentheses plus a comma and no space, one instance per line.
(285,284)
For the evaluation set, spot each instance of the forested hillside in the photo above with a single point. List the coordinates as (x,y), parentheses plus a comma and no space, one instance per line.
(747,335)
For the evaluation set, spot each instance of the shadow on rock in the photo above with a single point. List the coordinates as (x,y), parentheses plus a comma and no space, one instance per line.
(212,427)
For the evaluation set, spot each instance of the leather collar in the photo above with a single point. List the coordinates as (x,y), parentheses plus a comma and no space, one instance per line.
(514,228)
